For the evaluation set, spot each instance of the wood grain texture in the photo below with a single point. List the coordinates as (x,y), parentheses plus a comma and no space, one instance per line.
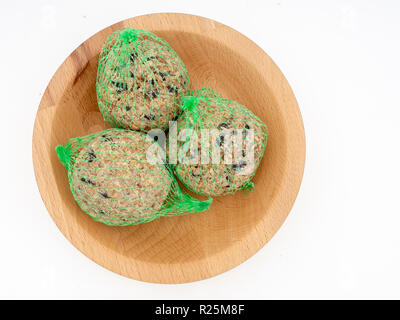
(196,246)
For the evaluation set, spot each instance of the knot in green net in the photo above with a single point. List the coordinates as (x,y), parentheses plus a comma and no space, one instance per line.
(128,35)
(189,104)
(248,186)
(64,155)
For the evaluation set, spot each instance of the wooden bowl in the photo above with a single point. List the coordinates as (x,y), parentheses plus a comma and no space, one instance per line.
(196,246)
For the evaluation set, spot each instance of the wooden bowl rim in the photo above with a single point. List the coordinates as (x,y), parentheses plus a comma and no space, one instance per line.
(283,201)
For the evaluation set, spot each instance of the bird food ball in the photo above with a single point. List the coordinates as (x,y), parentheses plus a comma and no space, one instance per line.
(230,143)
(114,180)
(140,81)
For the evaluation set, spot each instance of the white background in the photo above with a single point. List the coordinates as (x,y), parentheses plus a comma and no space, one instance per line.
(342,238)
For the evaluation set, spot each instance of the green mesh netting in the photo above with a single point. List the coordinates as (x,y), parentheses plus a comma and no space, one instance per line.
(112,180)
(140,81)
(236,143)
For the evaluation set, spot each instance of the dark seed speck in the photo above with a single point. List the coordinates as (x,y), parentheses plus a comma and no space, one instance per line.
(105,195)
(107,138)
(133,56)
(220,140)
(245,133)
(172,89)
(195,175)
(91,156)
(120,85)
(239,166)
(163,75)
(223,125)
(151,94)
(88,181)
(150,117)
